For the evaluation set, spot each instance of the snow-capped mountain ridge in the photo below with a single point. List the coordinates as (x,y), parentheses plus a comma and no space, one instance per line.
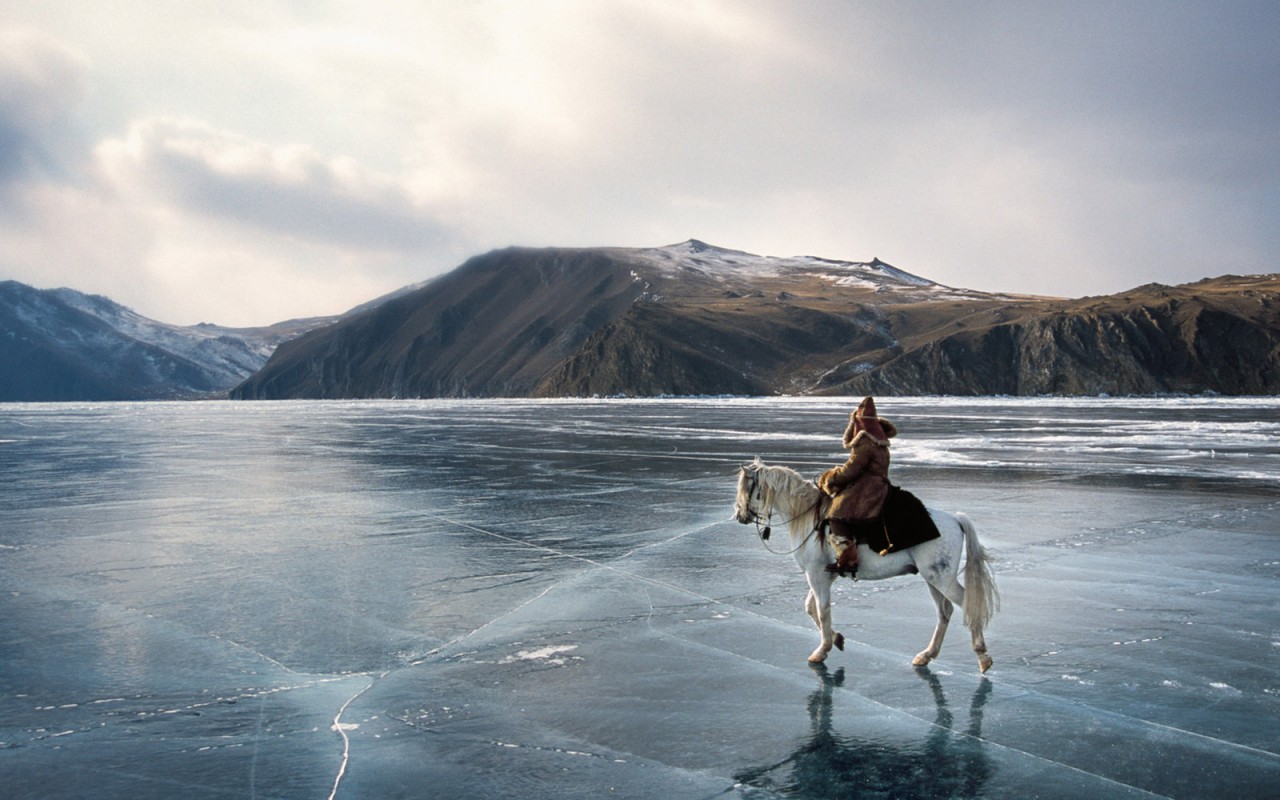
(196,341)
(60,344)
(688,318)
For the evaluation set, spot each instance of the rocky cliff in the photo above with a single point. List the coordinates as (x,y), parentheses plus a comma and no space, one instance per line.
(1220,335)
(696,319)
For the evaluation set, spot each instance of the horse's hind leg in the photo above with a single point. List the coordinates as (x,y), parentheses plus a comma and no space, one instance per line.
(980,648)
(945,609)
(953,594)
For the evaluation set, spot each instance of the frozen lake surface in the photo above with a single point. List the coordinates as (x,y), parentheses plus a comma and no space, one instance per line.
(548,599)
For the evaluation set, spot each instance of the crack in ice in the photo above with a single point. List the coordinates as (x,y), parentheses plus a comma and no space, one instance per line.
(341,729)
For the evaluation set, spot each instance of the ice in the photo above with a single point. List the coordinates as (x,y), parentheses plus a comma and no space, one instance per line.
(547,599)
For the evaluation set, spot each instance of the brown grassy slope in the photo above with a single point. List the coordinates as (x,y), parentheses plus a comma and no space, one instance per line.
(1220,334)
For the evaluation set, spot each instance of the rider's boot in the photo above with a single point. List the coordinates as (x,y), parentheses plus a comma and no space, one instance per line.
(848,561)
(846,557)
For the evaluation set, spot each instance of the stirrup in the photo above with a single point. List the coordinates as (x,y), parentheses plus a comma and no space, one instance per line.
(841,572)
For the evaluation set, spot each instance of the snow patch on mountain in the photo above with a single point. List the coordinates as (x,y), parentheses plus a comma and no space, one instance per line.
(695,256)
(223,350)
(699,257)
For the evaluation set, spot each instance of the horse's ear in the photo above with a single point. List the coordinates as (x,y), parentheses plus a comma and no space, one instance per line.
(757,464)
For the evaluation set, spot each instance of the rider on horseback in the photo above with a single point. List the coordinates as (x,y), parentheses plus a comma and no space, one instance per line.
(859,486)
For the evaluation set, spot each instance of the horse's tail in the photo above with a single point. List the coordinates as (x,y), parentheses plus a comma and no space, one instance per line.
(981,598)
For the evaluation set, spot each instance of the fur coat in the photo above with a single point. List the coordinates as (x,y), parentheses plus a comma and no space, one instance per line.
(859,486)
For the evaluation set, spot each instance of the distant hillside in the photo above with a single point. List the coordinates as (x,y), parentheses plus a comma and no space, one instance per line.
(696,319)
(1216,335)
(60,344)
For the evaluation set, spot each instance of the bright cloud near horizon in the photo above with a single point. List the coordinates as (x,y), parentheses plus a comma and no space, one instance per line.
(249,162)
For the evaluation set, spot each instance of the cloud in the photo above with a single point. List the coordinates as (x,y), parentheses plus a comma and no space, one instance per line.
(56,228)
(1067,149)
(1054,151)
(292,190)
(41,84)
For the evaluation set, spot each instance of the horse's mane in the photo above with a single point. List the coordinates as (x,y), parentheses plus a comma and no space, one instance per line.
(781,479)
(794,496)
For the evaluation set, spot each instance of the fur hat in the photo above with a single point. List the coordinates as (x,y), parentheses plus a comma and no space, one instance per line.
(864,419)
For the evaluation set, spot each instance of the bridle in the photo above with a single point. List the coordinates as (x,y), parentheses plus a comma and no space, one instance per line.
(754,516)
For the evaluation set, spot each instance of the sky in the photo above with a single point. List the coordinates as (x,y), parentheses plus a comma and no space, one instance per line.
(244,163)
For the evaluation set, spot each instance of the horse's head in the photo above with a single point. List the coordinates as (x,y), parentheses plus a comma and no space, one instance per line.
(748,506)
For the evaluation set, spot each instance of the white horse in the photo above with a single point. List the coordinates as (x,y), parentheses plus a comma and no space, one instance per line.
(764,490)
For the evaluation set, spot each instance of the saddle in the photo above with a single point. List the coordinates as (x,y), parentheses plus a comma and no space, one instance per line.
(903,522)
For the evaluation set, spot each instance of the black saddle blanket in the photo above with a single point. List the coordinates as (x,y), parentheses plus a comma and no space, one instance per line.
(903,522)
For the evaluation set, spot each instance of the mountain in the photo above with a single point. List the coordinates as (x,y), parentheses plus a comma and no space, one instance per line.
(59,344)
(692,318)
(495,326)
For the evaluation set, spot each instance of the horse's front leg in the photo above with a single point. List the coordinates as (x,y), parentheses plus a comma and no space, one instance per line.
(811,608)
(818,605)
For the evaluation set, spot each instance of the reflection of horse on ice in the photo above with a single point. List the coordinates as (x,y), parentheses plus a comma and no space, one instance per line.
(764,490)
(948,762)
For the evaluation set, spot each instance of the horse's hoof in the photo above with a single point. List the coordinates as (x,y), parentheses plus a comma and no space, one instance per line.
(920,661)
(984,663)
(817,657)
(840,642)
